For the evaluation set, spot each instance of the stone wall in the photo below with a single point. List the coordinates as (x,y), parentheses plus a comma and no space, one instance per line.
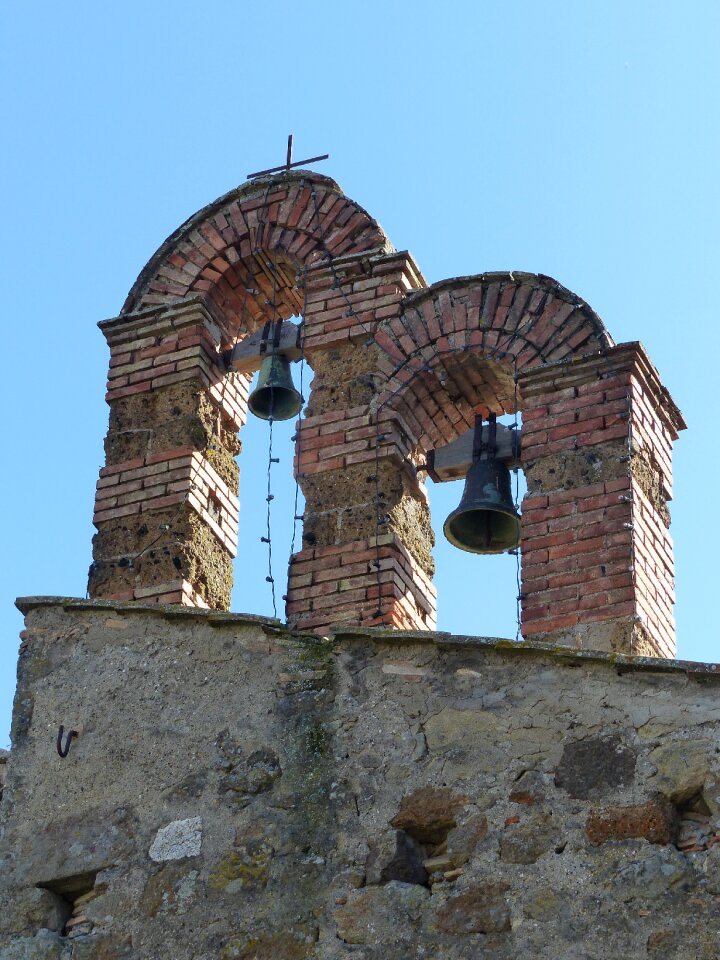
(237,791)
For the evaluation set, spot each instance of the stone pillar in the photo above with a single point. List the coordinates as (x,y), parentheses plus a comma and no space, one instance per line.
(597,559)
(166,509)
(367,536)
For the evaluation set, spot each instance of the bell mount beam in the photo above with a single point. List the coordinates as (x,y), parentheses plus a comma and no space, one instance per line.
(453,461)
(248,355)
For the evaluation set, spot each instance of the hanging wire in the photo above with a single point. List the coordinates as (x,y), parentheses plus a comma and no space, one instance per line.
(298,433)
(516,471)
(269,499)
(380,520)
(271,459)
(350,310)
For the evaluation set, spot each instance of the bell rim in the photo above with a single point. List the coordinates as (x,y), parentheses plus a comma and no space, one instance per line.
(265,416)
(489,551)
(274,377)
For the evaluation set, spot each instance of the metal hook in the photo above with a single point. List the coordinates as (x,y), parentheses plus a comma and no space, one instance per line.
(63,751)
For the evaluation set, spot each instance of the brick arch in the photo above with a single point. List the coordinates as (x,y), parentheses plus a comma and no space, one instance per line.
(458,344)
(398,367)
(226,248)
(167,502)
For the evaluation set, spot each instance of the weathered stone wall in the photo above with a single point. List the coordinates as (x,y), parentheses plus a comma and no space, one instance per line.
(239,791)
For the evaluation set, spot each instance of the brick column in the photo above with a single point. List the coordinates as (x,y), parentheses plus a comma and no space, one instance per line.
(352,570)
(597,560)
(166,509)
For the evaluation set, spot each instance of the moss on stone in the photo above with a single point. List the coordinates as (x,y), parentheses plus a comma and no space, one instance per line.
(275,946)
(244,869)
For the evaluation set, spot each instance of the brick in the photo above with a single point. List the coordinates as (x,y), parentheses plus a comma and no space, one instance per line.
(115,513)
(546,624)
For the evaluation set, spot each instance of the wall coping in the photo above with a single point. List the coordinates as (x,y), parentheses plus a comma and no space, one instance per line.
(623,663)
(167,611)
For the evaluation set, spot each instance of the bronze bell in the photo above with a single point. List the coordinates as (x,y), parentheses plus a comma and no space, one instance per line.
(486,520)
(275,397)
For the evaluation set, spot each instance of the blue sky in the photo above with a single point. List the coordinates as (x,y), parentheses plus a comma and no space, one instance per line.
(579,140)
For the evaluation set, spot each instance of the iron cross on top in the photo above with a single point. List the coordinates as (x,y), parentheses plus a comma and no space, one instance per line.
(289,163)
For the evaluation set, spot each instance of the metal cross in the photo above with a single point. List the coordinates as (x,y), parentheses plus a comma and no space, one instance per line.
(289,163)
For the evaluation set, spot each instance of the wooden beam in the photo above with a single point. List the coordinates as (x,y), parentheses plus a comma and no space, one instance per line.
(453,461)
(246,356)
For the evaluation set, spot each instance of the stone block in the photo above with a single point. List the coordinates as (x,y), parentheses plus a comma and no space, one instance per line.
(463,839)
(711,869)
(654,821)
(383,914)
(177,840)
(526,841)
(429,814)
(653,876)
(482,909)
(682,767)
(592,767)
(42,947)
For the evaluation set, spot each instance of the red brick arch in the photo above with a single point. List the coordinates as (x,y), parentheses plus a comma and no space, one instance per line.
(458,344)
(226,248)
(398,368)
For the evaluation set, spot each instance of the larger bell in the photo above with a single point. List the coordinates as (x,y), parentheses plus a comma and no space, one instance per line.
(486,520)
(275,396)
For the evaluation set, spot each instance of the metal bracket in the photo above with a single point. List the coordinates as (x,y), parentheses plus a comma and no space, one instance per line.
(453,461)
(64,750)
(246,356)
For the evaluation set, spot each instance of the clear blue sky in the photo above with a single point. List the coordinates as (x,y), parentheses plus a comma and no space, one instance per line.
(574,139)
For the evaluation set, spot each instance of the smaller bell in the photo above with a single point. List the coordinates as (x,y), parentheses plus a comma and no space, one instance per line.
(275,396)
(485,520)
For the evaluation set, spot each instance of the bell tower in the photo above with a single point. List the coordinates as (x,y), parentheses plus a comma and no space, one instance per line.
(352,782)
(403,371)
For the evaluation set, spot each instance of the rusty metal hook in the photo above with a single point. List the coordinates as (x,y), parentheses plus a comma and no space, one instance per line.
(63,751)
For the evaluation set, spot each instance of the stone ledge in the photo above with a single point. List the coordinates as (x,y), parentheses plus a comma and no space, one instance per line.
(623,663)
(169,611)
